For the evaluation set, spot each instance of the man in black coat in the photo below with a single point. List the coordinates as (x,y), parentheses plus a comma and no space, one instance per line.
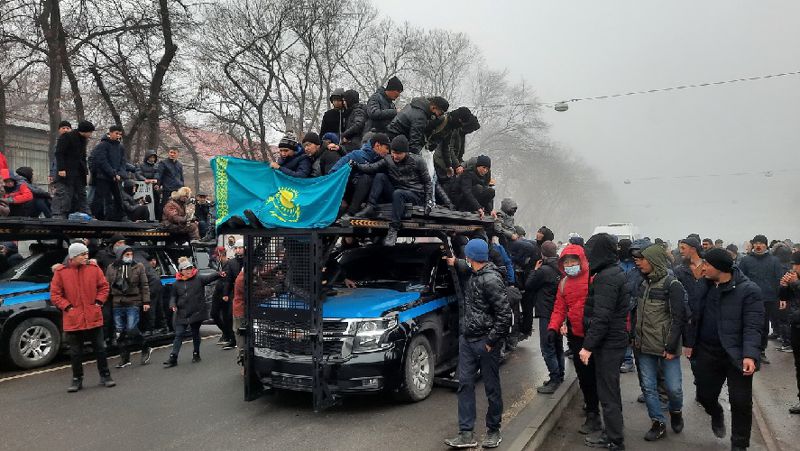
(380,106)
(766,271)
(354,122)
(724,340)
(150,171)
(231,269)
(540,294)
(472,192)
(606,337)
(333,121)
(412,121)
(69,184)
(171,173)
(108,169)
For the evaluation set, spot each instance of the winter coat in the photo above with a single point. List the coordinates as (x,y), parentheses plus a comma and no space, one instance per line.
(364,155)
(20,193)
(462,195)
(108,160)
(171,173)
(543,284)
(412,122)
(174,213)
(333,121)
(524,252)
(355,120)
(486,311)
(145,170)
(410,174)
(380,111)
(607,303)
(70,155)
(231,269)
(128,283)
(188,295)
(500,257)
(660,312)
(448,140)
(239,296)
(571,294)
(695,288)
(741,318)
(791,294)
(505,218)
(79,291)
(764,270)
(297,165)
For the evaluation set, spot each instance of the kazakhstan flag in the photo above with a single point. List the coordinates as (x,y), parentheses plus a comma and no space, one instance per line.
(277,199)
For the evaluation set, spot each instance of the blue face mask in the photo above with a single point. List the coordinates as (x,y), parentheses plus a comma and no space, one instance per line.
(572,271)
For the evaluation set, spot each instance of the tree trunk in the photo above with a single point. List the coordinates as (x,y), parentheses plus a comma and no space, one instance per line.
(3,113)
(77,98)
(50,23)
(154,100)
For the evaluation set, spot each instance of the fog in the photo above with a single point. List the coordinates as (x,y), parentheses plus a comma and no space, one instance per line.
(579,49)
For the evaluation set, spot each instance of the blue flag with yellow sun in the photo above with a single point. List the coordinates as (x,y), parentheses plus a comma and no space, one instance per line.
(277,199)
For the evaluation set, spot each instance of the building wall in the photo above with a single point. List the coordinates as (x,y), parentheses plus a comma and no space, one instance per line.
(27,146)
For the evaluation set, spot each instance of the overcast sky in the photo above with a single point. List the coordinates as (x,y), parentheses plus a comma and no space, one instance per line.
(587,48)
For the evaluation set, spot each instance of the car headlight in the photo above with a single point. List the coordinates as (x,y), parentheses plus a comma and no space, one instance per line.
(371,335)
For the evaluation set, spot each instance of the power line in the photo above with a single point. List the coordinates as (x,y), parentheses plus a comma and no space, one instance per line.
(768,174)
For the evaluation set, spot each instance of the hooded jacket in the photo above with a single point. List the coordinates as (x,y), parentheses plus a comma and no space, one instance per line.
(410,174)
(20,193)
(70,155)
(297,165)
(660,313)
(127,281)
(79,291)
(543,285)
(505,217)
(741,318)
(571,293)
(333,121)
(380,111)
(355,120)
(486,311)
(411,122)
(188,295)
(108,160)
(462,193)
(607,303)
(147,170)
(766,271)
(171,172)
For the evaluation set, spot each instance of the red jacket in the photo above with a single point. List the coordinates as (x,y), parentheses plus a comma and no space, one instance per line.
(571,294)
(83,287)
(21,193)
(238,296)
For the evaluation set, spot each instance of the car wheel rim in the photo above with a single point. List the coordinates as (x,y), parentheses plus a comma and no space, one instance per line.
(420,368)
(35,343)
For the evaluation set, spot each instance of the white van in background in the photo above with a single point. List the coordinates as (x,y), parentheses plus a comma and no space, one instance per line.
(620,230)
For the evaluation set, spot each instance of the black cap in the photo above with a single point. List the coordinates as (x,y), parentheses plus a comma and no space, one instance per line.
(692,241)
(732,248)
(484,160)
(400,144)
(116,237)
(759,239)
(440,102)
(64,124)
(380,138)
(394,84)
(85,126)
(720,259)
(312,138)
(796,258)
(519,230)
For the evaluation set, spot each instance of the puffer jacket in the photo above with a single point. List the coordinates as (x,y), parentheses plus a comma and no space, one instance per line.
(410,174)
(148,171)
(128,282)
(791,294)
(741,318)
(174,213)
(764,270)
(505,217)
(188,295)
(108,160)
(462,195)
(412,121)
(486,311)
(20,193)
(605,314)
(542,285)
(660,312)
(298,165)
(356,119)
(380,111)
(571,294)
(79,291)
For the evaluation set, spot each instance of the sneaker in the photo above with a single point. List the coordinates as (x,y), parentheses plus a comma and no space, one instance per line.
(601,441)
(464,439)
(657,431)
(196,357)
(222,340)
(124,364)
(718,425)
(492,440)
(784,348)
(640,398)
(77,384)
(230,345)
(172,361)
(107,382)
(764,358)
(627,367)
(391,237)
(592,423)
(676,421)
(147,353)
(549,387)
(366,212)
(795,409)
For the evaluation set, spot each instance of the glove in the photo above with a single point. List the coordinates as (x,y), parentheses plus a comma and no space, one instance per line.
(551,336)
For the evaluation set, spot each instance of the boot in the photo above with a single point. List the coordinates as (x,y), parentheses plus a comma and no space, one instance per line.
(172,361)
(464,439)
(657,431)
(196,357)
(492,440)
(592,423)
(77,384)
(147,353)
(391,237)
(549,387)
(124,359)
(107,382)
(367,212)
(676,421)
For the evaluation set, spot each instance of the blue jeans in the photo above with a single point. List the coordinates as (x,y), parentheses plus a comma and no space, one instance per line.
(673,380)
(553,354)
(472,355)
(126,318)
(628,355)
(180,329)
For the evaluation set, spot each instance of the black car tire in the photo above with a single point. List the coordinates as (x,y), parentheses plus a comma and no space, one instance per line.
(418,367)
(46,339)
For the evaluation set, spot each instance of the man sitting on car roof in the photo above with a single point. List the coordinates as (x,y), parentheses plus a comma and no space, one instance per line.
(16,195)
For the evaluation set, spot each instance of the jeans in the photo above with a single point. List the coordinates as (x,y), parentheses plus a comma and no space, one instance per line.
(472,355)
(76,340)
(648,365)
(628,355)
(383,189)
(553,353)
(713,368)
(180,329)
(126,319)
(586,375)
(607,363)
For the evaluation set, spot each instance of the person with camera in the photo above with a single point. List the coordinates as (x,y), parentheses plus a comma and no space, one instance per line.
(135,209)
(175,219)
(150,171)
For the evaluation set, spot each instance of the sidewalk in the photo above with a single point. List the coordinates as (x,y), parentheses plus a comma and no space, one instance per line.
(696,434)
(775,390)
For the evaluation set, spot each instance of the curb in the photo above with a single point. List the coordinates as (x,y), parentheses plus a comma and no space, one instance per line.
(541,416)
(763,427)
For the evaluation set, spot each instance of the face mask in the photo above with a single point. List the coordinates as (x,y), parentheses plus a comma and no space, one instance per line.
(572,270)
(127,259)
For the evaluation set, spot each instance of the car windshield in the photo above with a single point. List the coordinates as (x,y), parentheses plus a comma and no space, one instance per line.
(402,267)
(36,268)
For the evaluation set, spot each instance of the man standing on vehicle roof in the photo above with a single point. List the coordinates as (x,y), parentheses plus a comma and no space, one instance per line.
(484,323)
(69,184)
(79,289)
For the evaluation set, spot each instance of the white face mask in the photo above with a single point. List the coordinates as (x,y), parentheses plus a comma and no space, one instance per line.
(572,270)
(127,259)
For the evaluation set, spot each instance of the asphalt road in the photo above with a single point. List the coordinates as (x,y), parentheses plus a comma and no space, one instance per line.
(200,406)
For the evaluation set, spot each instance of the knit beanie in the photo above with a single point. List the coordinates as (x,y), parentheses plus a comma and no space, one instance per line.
(76,249)
(720,259)
(477,250)
(549,249)
(64,124)
(394,84)
(484,160)
(186,264)
(693,242)
(289,141)
(400,144)
(312,138)
(796,258)
(85,126)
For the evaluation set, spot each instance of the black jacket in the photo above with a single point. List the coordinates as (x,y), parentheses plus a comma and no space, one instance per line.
(71,155)
(410,174)
(355,120)
(486,312)
(766,271)
(108,160)
(542,284)
(323,161)
(171,175)
(412,122)
(462,195)
(524,253)
(741,318)
(605,313)
(380,111)
(333,121)
(146,170)
(791,294)
(189,296)
(231,269)
(298,165)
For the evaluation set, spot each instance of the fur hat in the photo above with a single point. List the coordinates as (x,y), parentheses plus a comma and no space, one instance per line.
(184,191)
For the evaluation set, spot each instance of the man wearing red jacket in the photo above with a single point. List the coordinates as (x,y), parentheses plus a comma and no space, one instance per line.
(16,195)
(79,289)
